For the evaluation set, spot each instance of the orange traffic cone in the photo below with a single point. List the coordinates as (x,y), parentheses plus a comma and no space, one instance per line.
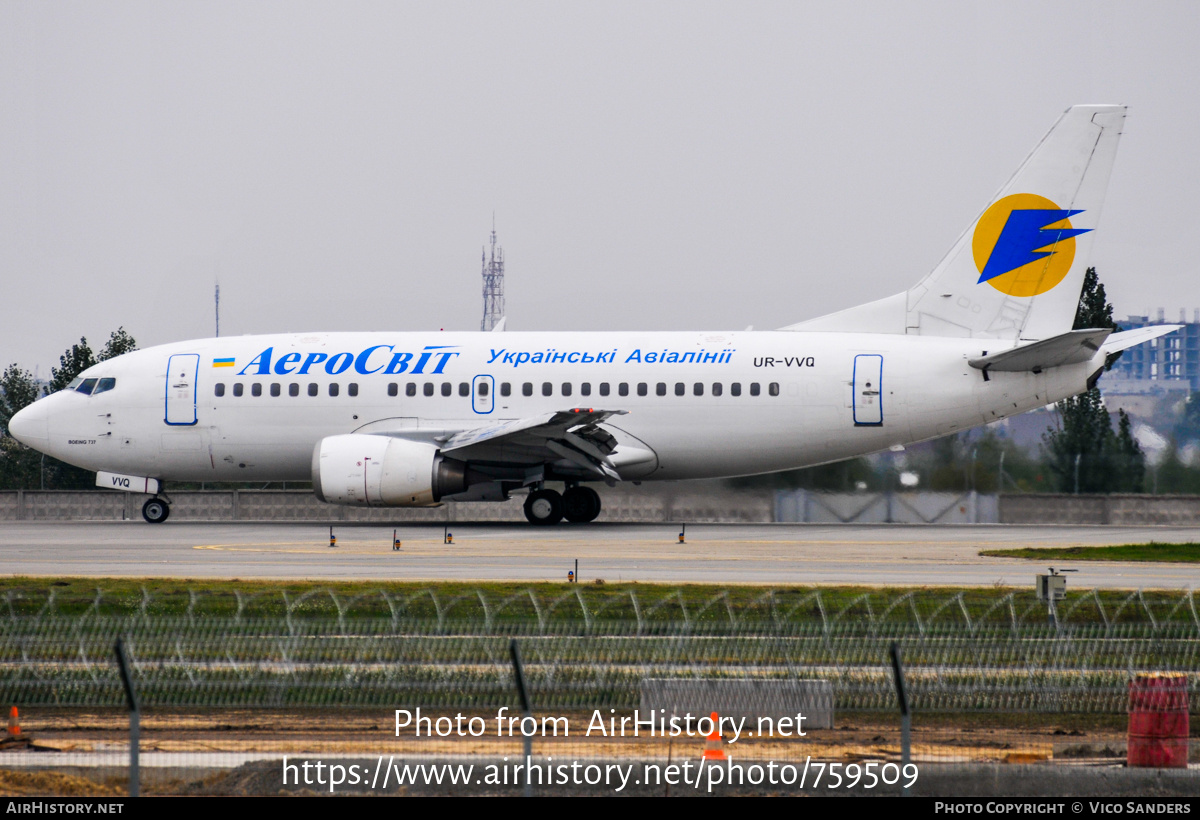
(714,744)
(14,722)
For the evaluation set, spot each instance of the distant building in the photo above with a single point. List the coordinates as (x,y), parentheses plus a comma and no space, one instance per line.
(1170,363)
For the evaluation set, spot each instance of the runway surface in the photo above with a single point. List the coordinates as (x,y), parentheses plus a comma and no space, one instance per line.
(714,553)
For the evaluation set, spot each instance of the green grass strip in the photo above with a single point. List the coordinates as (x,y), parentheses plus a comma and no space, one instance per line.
(541,604)
(1154,552)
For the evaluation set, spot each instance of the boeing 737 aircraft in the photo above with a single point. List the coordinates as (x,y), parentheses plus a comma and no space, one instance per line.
(417,419)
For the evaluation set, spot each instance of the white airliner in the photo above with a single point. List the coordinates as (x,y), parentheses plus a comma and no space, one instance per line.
(416,419)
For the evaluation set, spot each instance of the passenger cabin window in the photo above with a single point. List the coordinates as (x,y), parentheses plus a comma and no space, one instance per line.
(352,388)
(774,389)
(527,389)
(218,388)
(464,389)
(104,385)
(256,389)
(566,388)
(238,389)
(313,389)
(410,389)
(680,388)
(293,389)
(505,389)
(483,387)
(547,389)
(754,389)
(393,389)
(735,389)
(447,388)
(604,388)
(585,389)
(623,389)
(275,388)
(643,388)
(717,389)
(333,388)
(660,389)
(698,389)
(428,388)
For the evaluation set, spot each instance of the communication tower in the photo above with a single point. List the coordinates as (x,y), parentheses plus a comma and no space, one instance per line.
(493,284)
(217,306)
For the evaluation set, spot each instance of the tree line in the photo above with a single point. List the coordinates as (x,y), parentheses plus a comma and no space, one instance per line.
(22,468)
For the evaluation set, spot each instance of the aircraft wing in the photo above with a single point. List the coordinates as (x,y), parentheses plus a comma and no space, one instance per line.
(574,435)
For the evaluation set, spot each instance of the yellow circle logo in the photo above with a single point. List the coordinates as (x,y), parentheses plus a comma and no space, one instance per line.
(1024,244)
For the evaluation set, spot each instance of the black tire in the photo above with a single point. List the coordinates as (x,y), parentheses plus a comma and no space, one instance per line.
(544,507)
(581,504)
(155,511)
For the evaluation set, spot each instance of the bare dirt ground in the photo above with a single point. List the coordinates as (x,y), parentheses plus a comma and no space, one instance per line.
(315,734)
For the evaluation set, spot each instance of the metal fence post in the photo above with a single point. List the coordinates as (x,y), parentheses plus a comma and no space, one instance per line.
(523,692)
(905,717)
(131,700)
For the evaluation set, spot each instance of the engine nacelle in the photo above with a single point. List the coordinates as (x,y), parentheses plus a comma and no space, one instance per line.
(380,471)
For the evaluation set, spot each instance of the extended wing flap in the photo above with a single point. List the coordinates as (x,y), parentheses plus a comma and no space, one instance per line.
(573,435)
(531,431)
(1073,347)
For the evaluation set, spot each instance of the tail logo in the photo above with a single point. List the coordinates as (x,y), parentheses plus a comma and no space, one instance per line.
(1024,244)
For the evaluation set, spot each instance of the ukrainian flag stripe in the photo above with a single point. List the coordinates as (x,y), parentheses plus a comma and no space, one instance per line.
(223,362)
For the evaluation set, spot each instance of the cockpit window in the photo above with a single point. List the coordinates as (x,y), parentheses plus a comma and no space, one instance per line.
(104,385)
(75,382)
(87,386)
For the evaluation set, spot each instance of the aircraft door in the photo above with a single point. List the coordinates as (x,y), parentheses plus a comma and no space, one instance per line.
(483,400)
(867,389)
(181,389)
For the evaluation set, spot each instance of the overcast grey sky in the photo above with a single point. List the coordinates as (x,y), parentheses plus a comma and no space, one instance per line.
(652,165)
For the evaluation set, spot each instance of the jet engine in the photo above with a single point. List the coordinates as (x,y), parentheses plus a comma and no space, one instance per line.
(380,471)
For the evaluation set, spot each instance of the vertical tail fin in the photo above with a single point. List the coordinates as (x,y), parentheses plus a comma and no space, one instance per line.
(1017,271)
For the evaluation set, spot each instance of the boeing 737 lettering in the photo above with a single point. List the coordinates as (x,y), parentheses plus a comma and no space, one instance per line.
(417,419)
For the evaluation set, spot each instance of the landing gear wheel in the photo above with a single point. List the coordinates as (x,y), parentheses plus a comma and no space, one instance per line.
(155,511)
(581,504)
(544,507)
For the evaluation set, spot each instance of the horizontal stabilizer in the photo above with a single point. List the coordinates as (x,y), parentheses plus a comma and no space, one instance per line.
(1073,347)
(1129,338)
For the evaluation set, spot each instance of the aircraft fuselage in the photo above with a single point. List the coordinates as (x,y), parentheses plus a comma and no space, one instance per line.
(707,404)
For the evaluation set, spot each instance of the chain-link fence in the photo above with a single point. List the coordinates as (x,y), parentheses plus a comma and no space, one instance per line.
(231,683)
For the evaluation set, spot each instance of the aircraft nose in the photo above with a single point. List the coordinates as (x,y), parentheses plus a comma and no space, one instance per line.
(31,426)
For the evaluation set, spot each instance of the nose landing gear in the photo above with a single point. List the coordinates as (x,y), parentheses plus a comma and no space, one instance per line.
(155,511)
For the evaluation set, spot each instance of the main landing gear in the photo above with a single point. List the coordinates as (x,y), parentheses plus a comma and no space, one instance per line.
(578,505)
(155,511)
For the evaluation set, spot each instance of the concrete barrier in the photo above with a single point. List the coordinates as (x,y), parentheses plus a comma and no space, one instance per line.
(691,502)
(809,506)
(1117,509)
(697,502)
(749,699)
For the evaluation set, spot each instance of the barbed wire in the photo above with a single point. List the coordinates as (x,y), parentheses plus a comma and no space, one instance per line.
(998,651)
